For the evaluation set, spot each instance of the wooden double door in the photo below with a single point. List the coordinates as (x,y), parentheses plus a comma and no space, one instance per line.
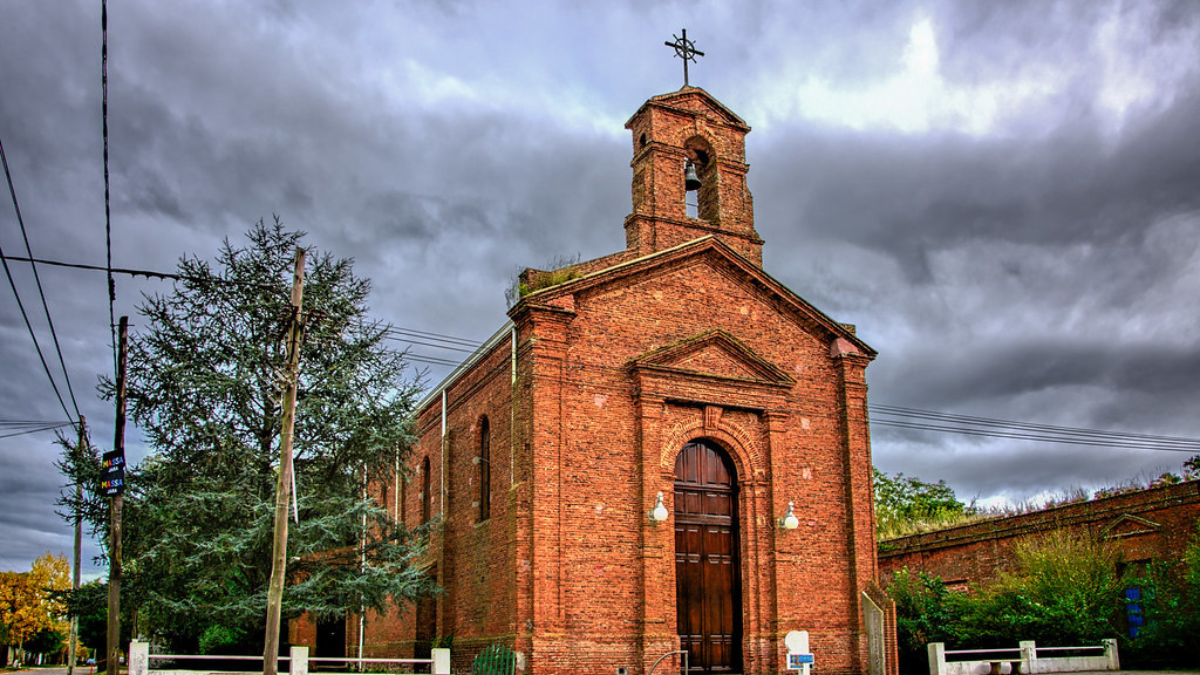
(708,597)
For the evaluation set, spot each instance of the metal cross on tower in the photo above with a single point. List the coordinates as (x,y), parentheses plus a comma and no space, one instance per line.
(686,50)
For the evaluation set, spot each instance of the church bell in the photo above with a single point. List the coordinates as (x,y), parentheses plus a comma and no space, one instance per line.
(690,180)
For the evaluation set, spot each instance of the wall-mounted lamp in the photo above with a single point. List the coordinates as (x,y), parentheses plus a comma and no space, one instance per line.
(789,521)
(659,513)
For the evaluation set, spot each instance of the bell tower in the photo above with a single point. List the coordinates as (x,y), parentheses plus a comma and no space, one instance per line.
(688,147)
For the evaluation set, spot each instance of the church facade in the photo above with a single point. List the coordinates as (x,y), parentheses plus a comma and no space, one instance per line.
(665,449)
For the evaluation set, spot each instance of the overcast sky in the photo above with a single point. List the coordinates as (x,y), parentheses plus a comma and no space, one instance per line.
(1004,197)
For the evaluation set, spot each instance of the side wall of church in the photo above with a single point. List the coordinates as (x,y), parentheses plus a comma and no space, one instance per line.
(470,556)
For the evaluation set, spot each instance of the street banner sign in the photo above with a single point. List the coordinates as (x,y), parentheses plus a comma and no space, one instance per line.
(112,474)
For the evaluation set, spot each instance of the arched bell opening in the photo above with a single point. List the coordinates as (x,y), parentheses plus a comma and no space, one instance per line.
(700,180)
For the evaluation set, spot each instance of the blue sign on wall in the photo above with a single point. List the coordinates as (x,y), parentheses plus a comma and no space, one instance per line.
(795,661)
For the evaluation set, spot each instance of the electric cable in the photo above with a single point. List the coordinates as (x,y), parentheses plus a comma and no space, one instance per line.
(1069,436)
(432,360)
(112,286)
(150,274)
(12,191)
(33,336)
(49,427)
(917,413)
(25,423)
(398,330)
(413,341)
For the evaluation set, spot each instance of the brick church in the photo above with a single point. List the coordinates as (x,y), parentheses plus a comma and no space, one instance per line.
(664,449)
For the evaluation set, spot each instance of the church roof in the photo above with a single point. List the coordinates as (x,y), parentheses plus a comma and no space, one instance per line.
(670,100)
(710,246)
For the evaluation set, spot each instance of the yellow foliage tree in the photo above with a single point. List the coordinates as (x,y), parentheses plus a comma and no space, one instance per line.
(26,603)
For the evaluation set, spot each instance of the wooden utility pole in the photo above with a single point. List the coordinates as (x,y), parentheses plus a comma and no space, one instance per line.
(284,483)
(114,539)
(80,447)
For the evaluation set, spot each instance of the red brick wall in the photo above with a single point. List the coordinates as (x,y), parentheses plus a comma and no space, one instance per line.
(1155,523)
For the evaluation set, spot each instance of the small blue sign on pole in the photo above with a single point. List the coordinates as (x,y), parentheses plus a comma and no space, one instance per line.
(798,661)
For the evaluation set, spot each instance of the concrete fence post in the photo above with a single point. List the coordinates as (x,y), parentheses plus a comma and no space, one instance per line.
(139,658)
(937,658)
(1028,656)
(1110,653)
(298,665)
(441,661)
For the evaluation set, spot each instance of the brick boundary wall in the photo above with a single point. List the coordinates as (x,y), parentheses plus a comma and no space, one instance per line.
(1154,523)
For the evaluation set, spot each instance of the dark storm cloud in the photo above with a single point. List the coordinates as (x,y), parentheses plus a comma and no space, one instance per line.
(1018,239)
(994,371)
(906,197)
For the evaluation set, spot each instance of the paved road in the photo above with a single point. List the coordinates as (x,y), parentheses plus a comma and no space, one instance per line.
(55,670)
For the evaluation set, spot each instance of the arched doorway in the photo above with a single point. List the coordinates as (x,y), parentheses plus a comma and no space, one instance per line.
(708,598)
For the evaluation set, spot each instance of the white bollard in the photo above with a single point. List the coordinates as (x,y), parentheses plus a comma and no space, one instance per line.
(139,658)
(937,658)
(441,661)
(1029,656)
(298,665)
(1110,653)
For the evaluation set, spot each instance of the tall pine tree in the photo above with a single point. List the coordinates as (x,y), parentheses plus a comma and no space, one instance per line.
(204,387)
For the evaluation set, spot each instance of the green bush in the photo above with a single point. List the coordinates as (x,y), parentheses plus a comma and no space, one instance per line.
(926,611)
(1066,591)
(1170,607)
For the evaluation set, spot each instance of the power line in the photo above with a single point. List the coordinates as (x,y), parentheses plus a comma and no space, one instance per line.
(29,326)
(419,343)
(1029,437)
(432,360)
(12,191)
(474,344)
(112,286)
(25,423)
(49,427)
(150,274)
(993,422)
(928,420)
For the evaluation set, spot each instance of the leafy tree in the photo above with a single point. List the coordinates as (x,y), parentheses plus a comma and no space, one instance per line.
(1191,468)
(89,604)
(27,603)
(904,503)
(204,387)
(47,641)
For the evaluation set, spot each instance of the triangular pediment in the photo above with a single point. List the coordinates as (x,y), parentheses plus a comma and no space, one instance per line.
(712,251)
(694,100)
(714,354)
(1130,526)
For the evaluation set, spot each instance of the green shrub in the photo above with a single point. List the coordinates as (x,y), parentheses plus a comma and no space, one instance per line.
(1066,591)
(926,611)
(1170,608)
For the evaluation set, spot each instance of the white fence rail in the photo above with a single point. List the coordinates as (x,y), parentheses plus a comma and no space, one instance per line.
(1026,659)
(298,660)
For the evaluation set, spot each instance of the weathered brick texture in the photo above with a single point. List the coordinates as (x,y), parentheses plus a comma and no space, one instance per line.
(597,385)
(1151,524)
